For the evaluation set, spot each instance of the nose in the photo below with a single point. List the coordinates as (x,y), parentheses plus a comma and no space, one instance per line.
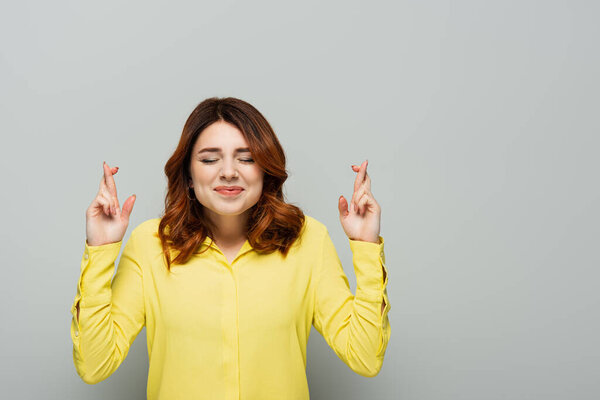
(229,170)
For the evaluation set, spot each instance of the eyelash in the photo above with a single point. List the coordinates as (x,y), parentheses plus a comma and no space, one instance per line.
(206,161)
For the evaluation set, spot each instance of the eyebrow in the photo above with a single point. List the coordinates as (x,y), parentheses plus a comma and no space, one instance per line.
(218,150)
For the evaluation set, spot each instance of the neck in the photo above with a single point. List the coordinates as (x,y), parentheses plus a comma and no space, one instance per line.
(228,229)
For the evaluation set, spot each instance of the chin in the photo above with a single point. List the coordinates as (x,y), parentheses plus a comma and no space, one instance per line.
(228,210)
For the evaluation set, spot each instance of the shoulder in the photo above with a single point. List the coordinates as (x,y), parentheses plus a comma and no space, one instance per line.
(313,225)
(147,229)
(313,230)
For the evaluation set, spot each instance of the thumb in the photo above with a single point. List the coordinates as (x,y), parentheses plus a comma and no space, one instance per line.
(128,206)
(343,206)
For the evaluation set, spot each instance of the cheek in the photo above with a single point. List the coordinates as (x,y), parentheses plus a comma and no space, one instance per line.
(257,184)
(255,176)
(203,176)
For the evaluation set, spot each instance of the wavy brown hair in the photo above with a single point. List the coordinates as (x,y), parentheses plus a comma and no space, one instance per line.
(273,224)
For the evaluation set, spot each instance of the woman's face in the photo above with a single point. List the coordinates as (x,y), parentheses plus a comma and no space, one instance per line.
(227,162)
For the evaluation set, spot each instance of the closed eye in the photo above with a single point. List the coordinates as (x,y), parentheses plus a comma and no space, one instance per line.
(209,161)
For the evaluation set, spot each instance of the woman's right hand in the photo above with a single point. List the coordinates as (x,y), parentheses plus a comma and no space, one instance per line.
(105,221)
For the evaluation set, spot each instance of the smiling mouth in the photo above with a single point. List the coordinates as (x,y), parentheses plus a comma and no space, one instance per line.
(229,191)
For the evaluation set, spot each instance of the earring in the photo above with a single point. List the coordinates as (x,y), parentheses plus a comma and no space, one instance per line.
(188,194)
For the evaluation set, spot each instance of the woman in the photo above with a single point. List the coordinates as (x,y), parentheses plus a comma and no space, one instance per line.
(229,281)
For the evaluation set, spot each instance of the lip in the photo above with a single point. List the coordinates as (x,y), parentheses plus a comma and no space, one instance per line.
(229,190)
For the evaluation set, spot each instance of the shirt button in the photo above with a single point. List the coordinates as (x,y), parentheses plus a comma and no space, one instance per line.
(76,333)
(86,256)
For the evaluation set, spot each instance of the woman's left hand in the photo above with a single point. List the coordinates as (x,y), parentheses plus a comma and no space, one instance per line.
(362,221)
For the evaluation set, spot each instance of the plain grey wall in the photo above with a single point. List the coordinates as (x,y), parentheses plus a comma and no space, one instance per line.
(479,120)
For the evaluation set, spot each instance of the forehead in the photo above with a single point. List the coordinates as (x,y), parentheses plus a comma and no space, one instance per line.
(221,134)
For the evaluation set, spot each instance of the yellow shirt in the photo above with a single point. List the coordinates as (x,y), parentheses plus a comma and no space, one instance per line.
(217,330)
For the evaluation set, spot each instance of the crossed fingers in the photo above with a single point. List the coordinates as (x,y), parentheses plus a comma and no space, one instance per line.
(108,188)
(362,187)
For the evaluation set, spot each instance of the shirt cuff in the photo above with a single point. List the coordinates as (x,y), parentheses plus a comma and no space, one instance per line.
(369,263)
(97,269)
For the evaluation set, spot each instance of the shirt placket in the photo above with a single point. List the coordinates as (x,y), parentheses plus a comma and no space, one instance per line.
(230,322)
(231,333)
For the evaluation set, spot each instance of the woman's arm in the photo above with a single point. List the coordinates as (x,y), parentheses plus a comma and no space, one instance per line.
(357,327)
(107,316)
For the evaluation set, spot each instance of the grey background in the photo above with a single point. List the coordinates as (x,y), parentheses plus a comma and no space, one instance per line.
(479,120)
